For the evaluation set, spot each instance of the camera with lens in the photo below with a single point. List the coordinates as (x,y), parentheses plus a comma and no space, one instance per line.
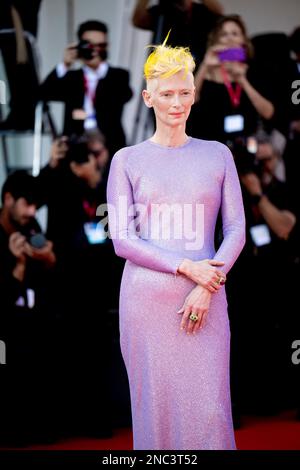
(87,51)
(35,239)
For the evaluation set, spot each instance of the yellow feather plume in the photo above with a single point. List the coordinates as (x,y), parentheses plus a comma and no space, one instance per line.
(165,61)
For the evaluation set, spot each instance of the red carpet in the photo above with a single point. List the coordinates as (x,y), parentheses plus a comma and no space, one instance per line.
(281,432)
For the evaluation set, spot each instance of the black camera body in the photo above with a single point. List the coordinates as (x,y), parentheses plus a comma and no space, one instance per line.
(37,240)
(34,238)
(85,50)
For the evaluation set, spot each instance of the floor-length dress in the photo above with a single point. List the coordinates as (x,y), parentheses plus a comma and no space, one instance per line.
(179,383)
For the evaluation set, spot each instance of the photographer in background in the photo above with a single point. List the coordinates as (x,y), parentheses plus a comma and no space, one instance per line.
(96,93)
(261,309)
(72,186)
(292,152)
(230,99)
(78,164)
(294,42)
(26,263)
(190,22)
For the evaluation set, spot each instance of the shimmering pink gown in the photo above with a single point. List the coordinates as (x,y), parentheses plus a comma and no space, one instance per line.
(179,383)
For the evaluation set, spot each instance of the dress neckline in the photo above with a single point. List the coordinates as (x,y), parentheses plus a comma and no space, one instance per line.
(166,147)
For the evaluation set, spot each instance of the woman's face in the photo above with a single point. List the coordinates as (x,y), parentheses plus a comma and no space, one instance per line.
(171,98)
(231,35)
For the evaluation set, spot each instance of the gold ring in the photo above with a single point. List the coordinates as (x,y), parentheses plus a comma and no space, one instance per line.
(194,317)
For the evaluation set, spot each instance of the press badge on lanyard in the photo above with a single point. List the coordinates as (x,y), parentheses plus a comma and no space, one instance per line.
(260,235)
(234,122)
(95,233)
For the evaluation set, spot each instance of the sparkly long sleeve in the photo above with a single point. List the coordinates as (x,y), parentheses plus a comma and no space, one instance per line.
(233,216)
(127,243)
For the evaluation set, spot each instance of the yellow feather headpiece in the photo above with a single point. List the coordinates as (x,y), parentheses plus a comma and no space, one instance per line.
(165,61)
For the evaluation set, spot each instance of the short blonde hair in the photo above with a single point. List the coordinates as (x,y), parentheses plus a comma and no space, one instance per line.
(165,61)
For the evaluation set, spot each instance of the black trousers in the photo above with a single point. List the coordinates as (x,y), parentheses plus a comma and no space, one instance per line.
(28,390)
(262,298)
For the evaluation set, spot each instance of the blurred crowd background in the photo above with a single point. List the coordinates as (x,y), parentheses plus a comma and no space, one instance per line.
(71,77)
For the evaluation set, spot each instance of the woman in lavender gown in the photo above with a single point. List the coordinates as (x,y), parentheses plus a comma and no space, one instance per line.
(164,196)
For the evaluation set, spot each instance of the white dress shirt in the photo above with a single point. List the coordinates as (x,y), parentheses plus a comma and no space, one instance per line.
(92,78)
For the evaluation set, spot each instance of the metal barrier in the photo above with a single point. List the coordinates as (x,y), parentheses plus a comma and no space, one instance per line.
(41,111)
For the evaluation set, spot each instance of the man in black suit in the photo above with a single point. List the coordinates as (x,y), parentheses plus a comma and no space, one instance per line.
(96,93)
(27,317)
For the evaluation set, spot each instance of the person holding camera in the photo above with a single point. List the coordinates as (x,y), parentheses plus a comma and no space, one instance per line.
(228,100)
(96,93)
(26,268)
(266,275)
(294,42)
(73,186)
(293,144)
(22,242)
(79,164)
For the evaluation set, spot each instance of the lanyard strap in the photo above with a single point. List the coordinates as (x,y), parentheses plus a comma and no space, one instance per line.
(89,209)
(91,96)
(235,95)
